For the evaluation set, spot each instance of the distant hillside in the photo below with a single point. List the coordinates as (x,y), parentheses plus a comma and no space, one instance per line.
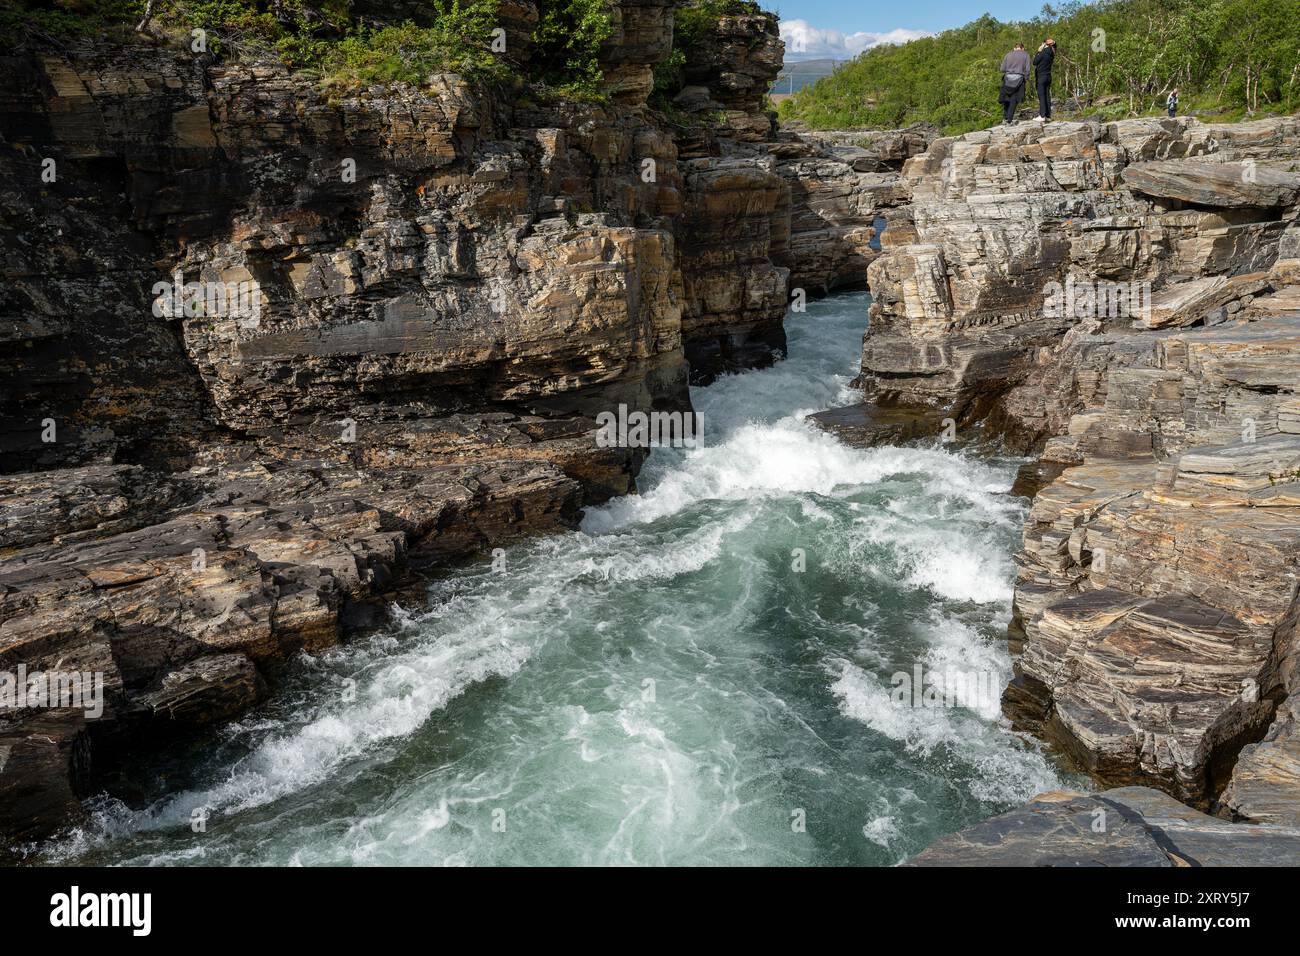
(1121,57)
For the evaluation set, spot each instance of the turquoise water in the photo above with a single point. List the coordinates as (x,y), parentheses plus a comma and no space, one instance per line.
(660,687)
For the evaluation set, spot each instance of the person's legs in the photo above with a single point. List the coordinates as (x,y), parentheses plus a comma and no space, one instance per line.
(1045,97)
(1008,111)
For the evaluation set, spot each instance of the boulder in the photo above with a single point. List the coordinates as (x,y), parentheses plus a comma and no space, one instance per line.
(1129,826)
(1216,185)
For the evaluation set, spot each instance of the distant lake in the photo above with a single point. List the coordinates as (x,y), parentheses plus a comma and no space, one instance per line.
(795,76)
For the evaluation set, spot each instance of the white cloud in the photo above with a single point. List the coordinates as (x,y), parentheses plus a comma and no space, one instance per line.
(804,41)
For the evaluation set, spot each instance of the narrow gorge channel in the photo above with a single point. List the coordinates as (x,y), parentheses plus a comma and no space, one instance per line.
(661,686)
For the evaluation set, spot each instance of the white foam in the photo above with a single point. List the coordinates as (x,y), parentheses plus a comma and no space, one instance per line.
(672,780)
(787,457)
(630,560)
(881,831)
(864,698)
(1000,768)
(396,699)
(959,573)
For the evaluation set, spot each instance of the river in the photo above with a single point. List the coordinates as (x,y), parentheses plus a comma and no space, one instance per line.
(701,675)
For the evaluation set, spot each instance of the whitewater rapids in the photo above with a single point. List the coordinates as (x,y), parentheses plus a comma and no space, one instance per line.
(662,686)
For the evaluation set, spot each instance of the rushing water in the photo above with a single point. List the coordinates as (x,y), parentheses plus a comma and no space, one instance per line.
(661,687)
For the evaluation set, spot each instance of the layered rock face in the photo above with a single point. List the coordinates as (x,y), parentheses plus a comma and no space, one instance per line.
(843,187)
(422,298)
(771,216)
(1001,217)
(736,220)
(210,486)
(1157,594)
(1124,298)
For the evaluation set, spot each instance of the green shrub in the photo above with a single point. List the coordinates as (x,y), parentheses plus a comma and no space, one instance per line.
(458,41)
(63,18)
(693,25)
(569,35)
(1226,57)
(454,36)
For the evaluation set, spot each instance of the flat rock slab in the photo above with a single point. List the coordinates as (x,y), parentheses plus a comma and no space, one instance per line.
(1053,829)
(1033,476)
(1186,303)
(1247,466)
(867,425)
(1221,185)
(1128,826)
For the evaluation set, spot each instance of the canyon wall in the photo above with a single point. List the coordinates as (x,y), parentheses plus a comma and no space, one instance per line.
(1123,300)
(452,282)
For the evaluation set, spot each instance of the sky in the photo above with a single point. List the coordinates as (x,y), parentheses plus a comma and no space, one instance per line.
(842,29)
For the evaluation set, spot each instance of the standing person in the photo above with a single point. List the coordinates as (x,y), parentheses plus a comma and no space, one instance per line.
(1043,78)
(1015,74)
(1172,101)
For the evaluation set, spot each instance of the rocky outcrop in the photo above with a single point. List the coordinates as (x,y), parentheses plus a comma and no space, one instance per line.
(770,216)
(238,485)
(1156,603)
(840,196)
(451,282)
(1123,299)
(1194,182)
(736,210)
(1131,826)
(965,299)
(1265,784)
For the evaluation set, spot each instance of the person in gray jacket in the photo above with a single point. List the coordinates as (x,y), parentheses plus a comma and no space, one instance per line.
(1015,74)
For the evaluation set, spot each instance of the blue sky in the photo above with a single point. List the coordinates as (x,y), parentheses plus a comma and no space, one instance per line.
(843,28)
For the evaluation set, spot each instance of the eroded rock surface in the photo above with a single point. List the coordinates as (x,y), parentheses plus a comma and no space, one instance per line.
(451,281)
(1124,300)
(1130,826)
(963,305)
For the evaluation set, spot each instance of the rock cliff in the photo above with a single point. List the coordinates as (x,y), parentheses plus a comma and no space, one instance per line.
(1123,300)
(451,282)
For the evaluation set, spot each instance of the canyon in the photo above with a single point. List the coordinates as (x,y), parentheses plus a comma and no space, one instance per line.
(453,282)
(456,282)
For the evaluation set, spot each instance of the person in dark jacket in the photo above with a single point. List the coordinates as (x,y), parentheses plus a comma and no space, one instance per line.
(1043,78)
(1015,76)
(1171,102)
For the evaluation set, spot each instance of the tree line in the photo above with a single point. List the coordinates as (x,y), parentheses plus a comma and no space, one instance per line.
(1227,58)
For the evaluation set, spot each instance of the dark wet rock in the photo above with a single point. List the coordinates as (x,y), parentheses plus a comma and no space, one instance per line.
(1130,826)
(1033,476)
(205,691)
(866,425)
(44,763)
(1265,786)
